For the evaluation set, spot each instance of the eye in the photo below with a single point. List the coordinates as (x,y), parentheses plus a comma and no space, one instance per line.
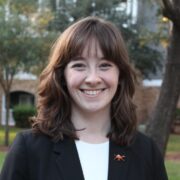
(105,66)
(78,66)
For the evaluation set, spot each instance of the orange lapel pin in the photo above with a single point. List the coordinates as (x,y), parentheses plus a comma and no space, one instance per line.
(119,157)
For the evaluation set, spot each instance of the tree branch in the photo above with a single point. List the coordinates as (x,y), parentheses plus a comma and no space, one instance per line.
(10,79)
(171,10)
(177,13)
(2,84)
(168,9)
(168,5)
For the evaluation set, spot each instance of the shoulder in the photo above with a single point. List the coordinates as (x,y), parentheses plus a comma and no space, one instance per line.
(30,136)
(147,153)
(29,140)
(141,140)
(145,158)
(144,147)
(27,150)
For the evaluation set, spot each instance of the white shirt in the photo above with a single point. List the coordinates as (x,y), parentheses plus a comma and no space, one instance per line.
(94,159)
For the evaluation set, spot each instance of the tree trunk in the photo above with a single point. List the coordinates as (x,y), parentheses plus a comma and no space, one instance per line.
(7,102)
(162,118)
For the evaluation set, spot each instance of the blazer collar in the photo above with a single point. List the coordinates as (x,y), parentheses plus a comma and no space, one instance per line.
(68,162)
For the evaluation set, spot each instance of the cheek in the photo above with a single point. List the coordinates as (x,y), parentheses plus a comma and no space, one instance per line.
(112,79)
(73,80)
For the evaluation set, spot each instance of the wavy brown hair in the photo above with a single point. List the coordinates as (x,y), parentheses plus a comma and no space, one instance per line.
(54,104)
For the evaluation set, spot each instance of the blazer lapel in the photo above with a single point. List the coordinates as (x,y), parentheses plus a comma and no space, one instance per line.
(118,166)
(67,160)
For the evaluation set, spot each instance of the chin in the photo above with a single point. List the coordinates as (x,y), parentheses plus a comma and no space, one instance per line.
(95,109)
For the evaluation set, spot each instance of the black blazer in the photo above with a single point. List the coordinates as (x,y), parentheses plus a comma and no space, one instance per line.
(36,157)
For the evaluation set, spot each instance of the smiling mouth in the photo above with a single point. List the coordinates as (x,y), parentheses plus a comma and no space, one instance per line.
(92,92)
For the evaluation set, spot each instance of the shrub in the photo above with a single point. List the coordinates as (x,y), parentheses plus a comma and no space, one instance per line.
(178,114)
(22,114)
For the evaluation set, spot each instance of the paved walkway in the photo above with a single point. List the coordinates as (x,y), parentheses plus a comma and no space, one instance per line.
(175,156)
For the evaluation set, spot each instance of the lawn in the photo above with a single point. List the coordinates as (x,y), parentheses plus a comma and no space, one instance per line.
(173,167)
(2,157)
(174,143)
(13,132)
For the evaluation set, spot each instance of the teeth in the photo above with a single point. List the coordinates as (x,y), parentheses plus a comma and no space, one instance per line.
(95,92)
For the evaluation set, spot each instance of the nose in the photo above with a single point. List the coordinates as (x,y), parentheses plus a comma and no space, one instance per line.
(93,78)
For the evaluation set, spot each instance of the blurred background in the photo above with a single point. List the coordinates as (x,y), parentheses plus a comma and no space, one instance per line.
(28,30)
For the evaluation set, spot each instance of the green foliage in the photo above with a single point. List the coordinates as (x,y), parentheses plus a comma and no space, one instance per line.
(178,114)
(12,44)
(16,53)
(25,7)
(146,58)
(2,2)
(12,134)
(38,52)
(22,115)
(69,11)
(141,43)
(23,47)
(30,33)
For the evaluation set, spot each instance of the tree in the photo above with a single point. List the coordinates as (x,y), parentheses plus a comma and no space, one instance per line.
(162,118)
(66,12)
(12,39)
(142,48)
(144,57)
(23,47)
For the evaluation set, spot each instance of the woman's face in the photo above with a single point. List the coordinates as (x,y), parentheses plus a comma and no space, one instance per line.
(91,79)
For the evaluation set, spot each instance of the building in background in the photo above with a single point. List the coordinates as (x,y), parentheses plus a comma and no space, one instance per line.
(23,91)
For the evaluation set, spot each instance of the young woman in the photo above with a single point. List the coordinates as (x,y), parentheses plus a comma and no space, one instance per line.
(86,122)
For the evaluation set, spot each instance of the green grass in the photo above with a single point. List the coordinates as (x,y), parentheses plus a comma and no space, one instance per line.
(2,157)
(13,132)
(173,167)
(174,143)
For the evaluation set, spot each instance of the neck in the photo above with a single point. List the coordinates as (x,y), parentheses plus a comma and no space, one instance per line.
(94,125)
